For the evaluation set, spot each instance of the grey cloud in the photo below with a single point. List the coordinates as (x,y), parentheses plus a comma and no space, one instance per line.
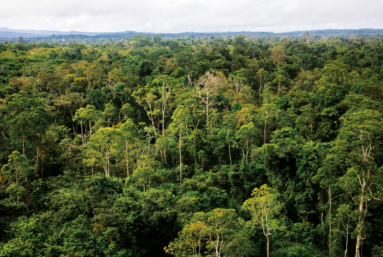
(190,15)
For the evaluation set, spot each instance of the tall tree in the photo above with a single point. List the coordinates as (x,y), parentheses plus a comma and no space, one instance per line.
(264,208)
(17,169)
(129,131)
(207,88)
(220,229)
(27,117)
(181,120)
(105,140)
(359,139)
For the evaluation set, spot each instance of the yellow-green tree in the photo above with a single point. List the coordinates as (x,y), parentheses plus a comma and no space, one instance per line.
(216,233)
(268,111)
(105,140)
(358,142)
(181,118)
(16,169)
(129,132)
(264,208)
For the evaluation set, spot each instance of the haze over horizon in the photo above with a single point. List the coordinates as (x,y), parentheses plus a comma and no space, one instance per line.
(169,16)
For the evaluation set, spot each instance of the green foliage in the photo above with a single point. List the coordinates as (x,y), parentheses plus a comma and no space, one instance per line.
(215,233)
(200,146)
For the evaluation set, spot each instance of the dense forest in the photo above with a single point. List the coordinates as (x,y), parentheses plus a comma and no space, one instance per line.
(91,38)
(199,147)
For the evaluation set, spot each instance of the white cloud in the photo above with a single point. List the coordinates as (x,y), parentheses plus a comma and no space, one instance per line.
(190,15)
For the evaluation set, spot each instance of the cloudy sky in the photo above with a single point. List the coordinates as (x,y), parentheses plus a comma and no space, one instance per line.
(190,15)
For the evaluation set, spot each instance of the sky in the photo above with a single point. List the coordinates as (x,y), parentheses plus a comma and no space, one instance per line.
(190,15)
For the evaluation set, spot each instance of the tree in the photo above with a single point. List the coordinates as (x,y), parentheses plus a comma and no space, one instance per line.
(268,111)
(358,141)
(239,80)
(91,158)
(157,39)
(165,92)
(307,37)
(91,74)
(146,170)
(344,217)
(279,79)
(328,177)
(210,83)
(27,117)
(105,141)
(21,41)
(126,109)
(16,169)
(109,113)
(278,55)
(264,208)
(228,121)
(246,135)
(129,131)
(261,73)
(148,99)
(181,118)
(90,114)
(220,229)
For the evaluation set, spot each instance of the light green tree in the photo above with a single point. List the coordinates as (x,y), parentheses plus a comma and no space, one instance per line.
(88,114)
(129,132)
(264,208)
(167,84)
(105,140)
(181,118)
(261,74)
(268,111)
(358,141)
(216,233)
(17,169)
(246,135)
(126,110)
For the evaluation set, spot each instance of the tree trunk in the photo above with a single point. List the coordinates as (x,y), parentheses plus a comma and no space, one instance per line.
(37,157)
(260,94)
(268,245)
(82,133)
(17,182)
(163,131)
(243,153)
(345,252)
(360,228)
(108,167)
(127,158)
(228,143)
(163,121)
(264,134)
(107,164)
(180,160)
(24,139)
(90,128)
(217,252)
(27,193)
(330,203)
(207,117)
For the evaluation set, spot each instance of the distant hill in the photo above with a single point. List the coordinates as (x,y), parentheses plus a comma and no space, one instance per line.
(12,35)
